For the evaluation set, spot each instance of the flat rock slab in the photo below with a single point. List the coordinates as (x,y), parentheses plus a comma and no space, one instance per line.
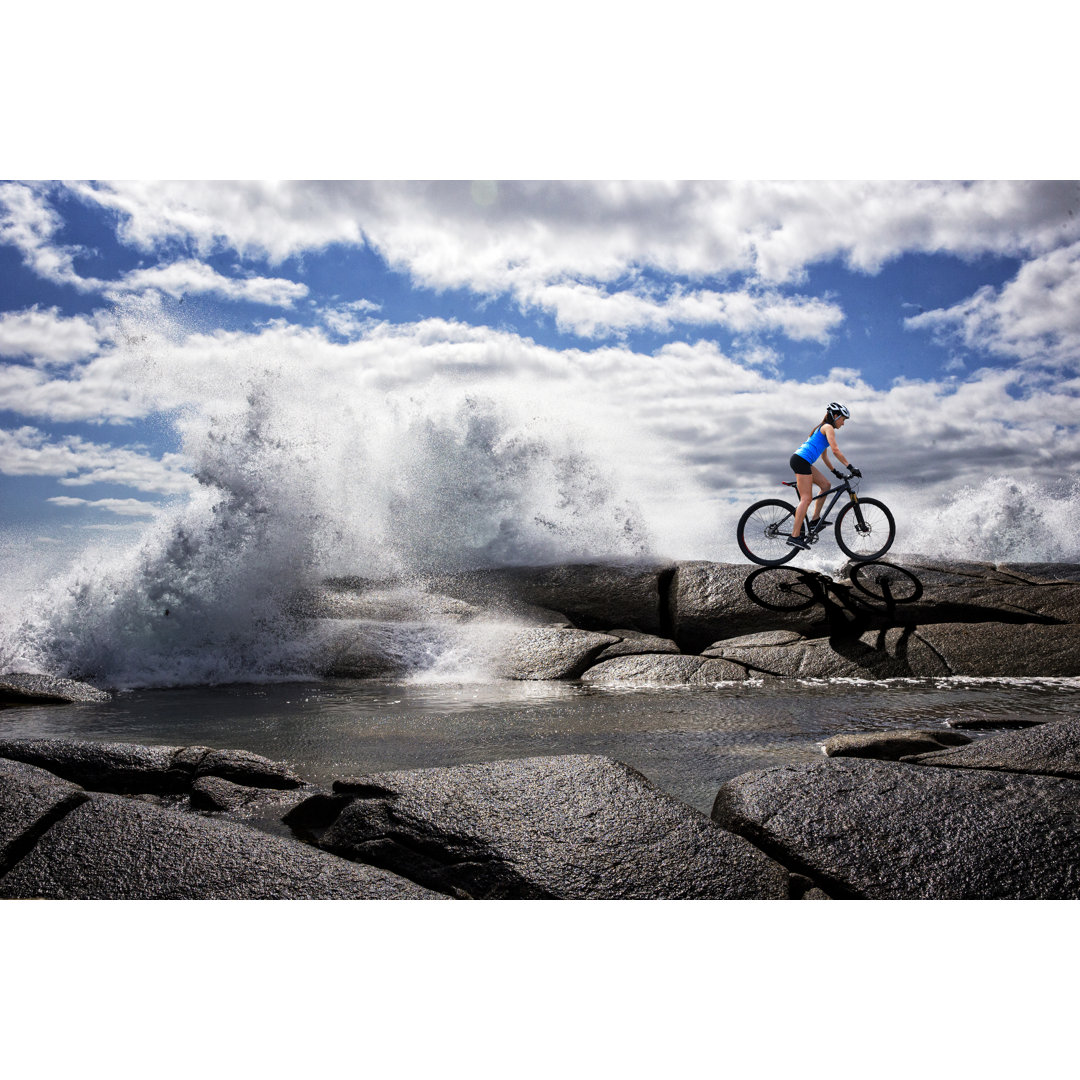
(125,768)
(970,592)
(896,652)
(1005,649)
(890,745)
(30,799)
(572,827)
(709,601)
(1047,750)
(660,670)
(216,795)
(752,641)
(550,653)
(1042,573)
(592,595)
(632,643)
(113,848)
(892,831)
(17,688)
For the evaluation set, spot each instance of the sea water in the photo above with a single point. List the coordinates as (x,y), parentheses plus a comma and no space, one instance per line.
(687,741)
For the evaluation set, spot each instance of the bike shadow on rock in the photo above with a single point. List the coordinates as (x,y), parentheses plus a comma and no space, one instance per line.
(877,595)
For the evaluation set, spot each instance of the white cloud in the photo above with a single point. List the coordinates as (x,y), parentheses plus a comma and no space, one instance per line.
(560,246)
(190,276)
(591,311)
(30,224)
(27,451)
(123,507)
(542,231)
(349,320)
(47,337)
(1035,317)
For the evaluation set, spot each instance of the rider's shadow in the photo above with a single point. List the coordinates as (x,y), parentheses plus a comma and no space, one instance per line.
(875,592)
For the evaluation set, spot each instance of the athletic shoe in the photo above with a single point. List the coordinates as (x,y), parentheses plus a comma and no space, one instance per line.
(799,542)
(820,524)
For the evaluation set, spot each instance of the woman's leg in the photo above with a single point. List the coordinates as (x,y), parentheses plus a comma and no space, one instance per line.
(804,485)
(824,485)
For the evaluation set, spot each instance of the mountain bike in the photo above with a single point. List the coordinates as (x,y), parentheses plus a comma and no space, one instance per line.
(865,528)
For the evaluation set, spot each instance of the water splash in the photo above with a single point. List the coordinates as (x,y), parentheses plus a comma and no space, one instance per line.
(295,487)
(1003,519)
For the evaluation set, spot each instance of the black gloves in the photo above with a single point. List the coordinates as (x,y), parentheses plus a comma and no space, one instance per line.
(854,471)
(838,474)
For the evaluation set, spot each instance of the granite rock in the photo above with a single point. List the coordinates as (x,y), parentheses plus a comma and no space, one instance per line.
(895,831)
(1046,750)
(550,653)
(570,827)
(890,745)
(125,768)
(114,848)
(20,688)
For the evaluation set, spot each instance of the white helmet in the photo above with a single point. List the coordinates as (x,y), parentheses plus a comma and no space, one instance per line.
(837,409)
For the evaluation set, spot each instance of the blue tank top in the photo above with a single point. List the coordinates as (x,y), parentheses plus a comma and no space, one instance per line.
(813,448)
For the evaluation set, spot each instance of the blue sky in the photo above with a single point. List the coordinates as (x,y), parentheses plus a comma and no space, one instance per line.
(704,325)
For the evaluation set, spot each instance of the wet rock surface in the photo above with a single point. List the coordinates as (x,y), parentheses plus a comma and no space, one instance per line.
(550,653)
(891,746)
(1004,826)
(632,643)
(1051,749)
(593,596)
(30,799)
(126,768)
(18,688)
(572,827)
(909,617)
(110,847)
(998,818)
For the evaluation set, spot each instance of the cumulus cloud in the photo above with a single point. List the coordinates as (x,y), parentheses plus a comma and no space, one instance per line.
(26,451)
(1034,317)
(190,276)
(30,224)
(591,311)
(561,246)
(545,230)
(123,507)
(348,320)
(47,337)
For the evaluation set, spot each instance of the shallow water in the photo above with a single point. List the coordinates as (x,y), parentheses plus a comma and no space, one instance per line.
(688,741)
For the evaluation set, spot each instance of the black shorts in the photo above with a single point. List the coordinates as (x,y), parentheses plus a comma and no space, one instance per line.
(800,465)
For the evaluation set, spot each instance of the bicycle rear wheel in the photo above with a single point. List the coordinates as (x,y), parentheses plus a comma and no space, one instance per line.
(865,530)
(764,530)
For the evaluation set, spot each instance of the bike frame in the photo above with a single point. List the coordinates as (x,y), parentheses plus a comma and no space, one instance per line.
(835,492)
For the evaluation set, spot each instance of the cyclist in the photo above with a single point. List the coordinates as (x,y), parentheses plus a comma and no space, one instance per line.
(822,440)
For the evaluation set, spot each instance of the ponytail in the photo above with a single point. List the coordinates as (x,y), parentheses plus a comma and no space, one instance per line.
(826,419)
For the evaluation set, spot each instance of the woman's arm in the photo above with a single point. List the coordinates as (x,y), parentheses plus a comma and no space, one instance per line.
(830,433)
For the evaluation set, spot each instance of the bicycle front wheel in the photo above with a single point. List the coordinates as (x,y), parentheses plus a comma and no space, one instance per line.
(865,529)
(764,530)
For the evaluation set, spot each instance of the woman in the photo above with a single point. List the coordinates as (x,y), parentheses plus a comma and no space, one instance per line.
(822,440)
